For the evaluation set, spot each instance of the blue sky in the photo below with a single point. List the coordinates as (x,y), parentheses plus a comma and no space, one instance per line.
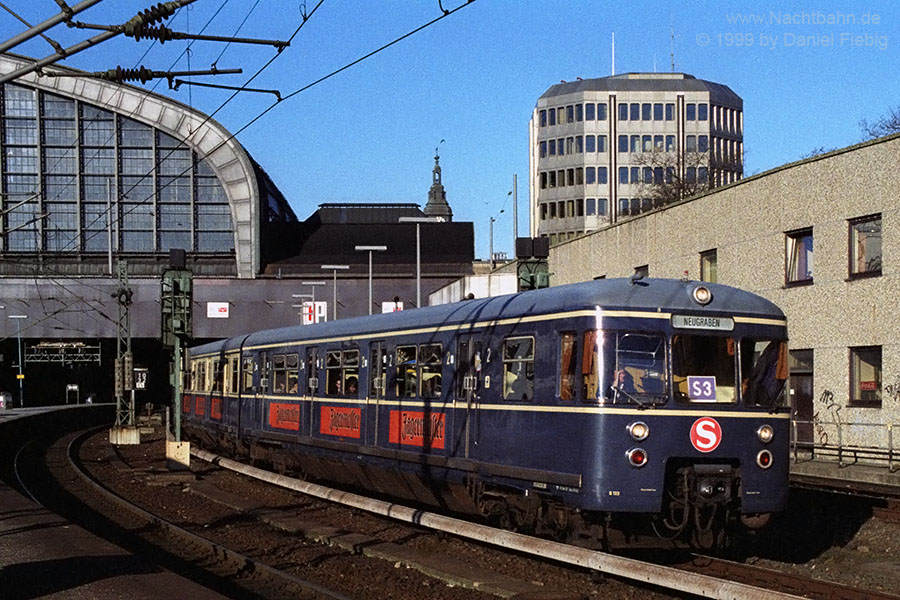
(807,75)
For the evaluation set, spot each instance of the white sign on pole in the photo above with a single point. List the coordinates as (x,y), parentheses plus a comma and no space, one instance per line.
(314,312)
(389,307)
(216,310)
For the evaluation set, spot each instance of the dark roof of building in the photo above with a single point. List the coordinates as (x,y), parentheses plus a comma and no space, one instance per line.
(364,213)
(648,82)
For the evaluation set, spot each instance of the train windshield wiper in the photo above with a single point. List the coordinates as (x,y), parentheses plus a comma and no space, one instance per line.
(641,402)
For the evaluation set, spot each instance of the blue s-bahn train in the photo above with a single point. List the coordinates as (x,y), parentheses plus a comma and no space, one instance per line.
(573,411)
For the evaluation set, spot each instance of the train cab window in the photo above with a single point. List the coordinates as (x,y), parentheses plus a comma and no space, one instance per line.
(247,374)
(634,368)
(567,360)
(703,368)
(406,372)
(590,369)
(430,365)
(764,372)
(518,368)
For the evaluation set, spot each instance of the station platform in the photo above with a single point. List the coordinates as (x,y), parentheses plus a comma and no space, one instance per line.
(852,477)
(42,555)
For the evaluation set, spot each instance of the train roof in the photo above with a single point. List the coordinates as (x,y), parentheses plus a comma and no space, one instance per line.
(612,294)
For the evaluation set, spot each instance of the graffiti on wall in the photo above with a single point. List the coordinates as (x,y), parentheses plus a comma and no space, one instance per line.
(892,390)
(829,411)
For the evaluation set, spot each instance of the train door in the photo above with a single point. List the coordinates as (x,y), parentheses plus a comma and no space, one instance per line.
(259,408)
(468,386)
(247,397)
(311,385)
(377,379)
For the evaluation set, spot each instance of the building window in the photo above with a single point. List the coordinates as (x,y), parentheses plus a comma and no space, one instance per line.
(623,206)
(691,112)
(601,112)
(579,176)
(601,143)
(865,246)
(658,142)
(623,143)
(602,205)
(635,111)
(709,266)
(543,118)
(544,180)
(570,176)
(648,175)
(658,112)
(590,143)
(590,206)
(646,111)
(623,112)
(703,143)
(799,257)
(702,112)
(570,114)
(590,175)
(579,207)
(623,174)
(642,271)
(543,149)
(635,143)
(601,174)
(543,212)
(589,111)
(670,143)
(559,147)
(691,143)
(579,143)
(657,175)
(635,174)
(865,376)
(552,114)
(646,143)
(579,112)
(670,112)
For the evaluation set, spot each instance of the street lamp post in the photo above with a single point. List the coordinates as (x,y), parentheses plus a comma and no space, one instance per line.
(418,221)
(370,250)
(335,268)
(492,238)
(21,376)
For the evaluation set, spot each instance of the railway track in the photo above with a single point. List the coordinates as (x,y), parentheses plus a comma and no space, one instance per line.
(248,574)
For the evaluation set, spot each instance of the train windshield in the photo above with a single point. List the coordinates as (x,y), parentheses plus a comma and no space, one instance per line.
(634,368)
(703,368)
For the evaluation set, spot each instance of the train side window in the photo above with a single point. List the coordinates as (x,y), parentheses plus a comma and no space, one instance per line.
(430,364)
(406,372)
(217,375)
(590,365)
(764,372)
(292,362)
(190,376)
(518,368)
(333,373)
(350,372)
(263,372)
(248,374)
(567,360)
(201,376)
(235,373)
(279,375)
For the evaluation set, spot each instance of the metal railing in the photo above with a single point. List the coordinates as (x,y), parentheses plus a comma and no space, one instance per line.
(871,441)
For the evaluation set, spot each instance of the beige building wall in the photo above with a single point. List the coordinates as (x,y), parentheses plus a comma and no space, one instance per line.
(745,223)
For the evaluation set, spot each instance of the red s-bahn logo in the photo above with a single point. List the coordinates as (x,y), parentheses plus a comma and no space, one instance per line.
(706,434)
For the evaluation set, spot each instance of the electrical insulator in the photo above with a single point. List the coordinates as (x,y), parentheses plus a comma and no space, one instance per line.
(119,379)
(152,15)
(128,375)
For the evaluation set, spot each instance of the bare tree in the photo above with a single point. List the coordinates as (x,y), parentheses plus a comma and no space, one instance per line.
(667,177)
(885,125)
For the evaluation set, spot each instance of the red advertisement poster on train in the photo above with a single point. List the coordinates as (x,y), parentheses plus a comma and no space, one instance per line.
(415,428)
(284,416)
(343,421)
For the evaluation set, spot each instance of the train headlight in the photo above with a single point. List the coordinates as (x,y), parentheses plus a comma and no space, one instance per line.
(702,295)
(765,434)
(764,459)
(639,431)
(637,457)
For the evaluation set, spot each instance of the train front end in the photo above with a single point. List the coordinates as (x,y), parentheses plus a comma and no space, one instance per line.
(693,428)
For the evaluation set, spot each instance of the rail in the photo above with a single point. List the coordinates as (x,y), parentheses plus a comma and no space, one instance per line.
(873,442)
